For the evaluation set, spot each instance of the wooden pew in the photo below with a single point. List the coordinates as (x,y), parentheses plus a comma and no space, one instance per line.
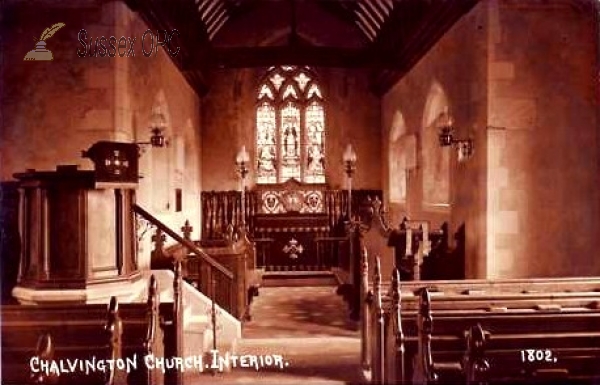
(126,331)
(422,253)
(415,248)
(516,346)
(59,332)
(511,333)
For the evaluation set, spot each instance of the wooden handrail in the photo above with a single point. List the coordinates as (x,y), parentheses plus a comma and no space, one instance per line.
(190,245)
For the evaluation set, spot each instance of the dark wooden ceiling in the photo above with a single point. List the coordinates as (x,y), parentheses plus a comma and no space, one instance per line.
(393,34)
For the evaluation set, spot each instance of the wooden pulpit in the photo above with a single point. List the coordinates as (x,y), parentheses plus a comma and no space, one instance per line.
(77,229)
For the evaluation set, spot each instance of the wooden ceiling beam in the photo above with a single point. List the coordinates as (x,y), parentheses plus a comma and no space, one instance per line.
(346,12)
(415,40)
(405,18)
(182,15)
(241,57)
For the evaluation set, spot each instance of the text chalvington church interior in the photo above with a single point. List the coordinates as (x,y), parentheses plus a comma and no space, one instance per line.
(300,192)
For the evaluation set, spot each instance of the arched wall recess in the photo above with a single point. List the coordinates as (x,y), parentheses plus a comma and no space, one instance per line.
(402,158)
(436,161)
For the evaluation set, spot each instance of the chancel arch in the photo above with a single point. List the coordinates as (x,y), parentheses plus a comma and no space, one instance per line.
(436,161)
(290,127)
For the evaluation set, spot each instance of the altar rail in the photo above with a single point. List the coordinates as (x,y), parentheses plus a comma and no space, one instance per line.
(481,331)
(223,208)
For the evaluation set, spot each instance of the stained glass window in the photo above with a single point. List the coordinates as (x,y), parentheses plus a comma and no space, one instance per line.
(314,149)
(290,127)
(265,140)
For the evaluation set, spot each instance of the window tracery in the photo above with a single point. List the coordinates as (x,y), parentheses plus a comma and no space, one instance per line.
(290,127)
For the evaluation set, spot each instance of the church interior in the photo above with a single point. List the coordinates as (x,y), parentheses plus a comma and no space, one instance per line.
(299,191)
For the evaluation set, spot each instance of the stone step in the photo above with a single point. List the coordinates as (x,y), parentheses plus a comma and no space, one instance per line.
(298,278)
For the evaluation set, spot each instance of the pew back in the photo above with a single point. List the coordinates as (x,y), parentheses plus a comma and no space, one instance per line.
(514,346)
(81,333)
(509,331)
(74,334)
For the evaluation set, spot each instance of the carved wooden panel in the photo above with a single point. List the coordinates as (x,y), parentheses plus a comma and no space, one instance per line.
(291,196)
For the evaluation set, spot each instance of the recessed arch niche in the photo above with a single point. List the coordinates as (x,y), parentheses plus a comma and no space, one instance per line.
(397,160)
(436,159)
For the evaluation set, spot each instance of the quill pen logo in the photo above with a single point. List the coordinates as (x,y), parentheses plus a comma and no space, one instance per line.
(40,53)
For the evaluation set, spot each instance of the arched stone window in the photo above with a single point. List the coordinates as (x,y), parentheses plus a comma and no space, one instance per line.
(290,127)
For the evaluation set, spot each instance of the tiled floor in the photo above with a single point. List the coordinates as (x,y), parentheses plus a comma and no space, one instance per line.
(308,328)
(299,312)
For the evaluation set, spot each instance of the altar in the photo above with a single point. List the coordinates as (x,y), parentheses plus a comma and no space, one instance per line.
(289,241)
(294,226)
(290,219)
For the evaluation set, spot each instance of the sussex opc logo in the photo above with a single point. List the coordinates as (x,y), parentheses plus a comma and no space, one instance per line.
(40,53)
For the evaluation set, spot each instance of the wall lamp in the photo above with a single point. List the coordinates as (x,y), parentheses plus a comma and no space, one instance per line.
(465,147)
(157,126)
(157,139)
(349,158)
(241,161)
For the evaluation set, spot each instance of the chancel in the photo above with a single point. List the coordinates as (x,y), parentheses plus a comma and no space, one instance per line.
(369,191)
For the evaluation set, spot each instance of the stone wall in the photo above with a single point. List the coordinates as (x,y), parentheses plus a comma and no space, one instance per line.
(228,110)
(543,199)
(352,116)
(154,85)
(519,78)
(52,110)
(429,181)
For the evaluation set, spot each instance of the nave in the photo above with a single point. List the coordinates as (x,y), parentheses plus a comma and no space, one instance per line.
(148,199)
(310,328)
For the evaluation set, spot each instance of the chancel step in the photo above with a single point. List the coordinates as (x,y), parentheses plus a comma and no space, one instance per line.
(299,278)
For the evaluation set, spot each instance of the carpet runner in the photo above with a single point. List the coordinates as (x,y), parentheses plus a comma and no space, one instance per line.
(308,328)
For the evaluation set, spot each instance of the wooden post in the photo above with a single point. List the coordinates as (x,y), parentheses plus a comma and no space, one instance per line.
(186,230)
(365,313)
(395,340)
(113,328)
(178,318)
(152,316)
(378,371)
(44,352)
(475,364)
(425,326)
(159,241)
(213,311)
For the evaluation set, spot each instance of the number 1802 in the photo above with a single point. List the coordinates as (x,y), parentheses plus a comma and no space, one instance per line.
(537,355)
